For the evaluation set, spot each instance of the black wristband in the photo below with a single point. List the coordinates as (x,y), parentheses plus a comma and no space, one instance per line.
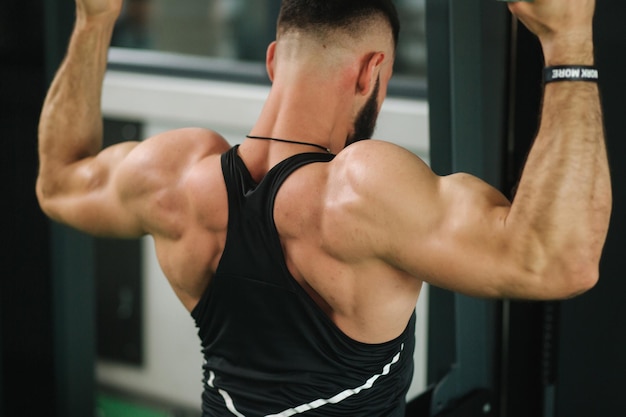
(570,73)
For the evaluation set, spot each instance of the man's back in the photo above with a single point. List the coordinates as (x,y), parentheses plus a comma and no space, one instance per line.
(319,215)
(269,348)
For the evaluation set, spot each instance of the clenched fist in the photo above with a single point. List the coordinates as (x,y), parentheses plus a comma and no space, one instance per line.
(553,17)
(564,27)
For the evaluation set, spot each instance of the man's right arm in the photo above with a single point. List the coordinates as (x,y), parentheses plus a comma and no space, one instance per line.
(459,233)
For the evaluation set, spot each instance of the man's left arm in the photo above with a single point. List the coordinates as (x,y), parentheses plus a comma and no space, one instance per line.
(77,180)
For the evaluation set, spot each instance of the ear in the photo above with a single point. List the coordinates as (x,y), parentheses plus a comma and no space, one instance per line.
(369,72)
(269,60)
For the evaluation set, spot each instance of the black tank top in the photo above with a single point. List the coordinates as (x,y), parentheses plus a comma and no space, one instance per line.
(269,349)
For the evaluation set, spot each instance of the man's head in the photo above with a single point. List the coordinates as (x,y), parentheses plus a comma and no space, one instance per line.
(337,54)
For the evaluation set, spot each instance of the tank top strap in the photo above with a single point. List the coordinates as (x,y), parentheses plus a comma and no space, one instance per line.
(252,233)
(241,185)
(236,177)
(277,175)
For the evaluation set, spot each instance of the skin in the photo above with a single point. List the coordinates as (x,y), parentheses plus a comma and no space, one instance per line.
(360,247)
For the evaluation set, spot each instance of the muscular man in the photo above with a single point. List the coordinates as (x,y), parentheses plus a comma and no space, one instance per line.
(302,262)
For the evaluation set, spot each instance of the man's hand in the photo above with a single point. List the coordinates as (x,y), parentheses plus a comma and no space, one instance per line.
(548,18)
(564,27)
(87,10)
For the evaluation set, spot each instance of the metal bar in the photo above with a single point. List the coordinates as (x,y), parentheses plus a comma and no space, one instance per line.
(468,57)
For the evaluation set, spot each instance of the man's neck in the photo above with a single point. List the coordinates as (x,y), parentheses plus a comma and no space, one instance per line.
(314,112)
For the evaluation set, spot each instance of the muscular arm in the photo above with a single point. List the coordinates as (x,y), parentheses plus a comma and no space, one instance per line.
(71,122)
(564,198)
(76,183)
(459,233)
(562,209)
(563,204)
(125,190)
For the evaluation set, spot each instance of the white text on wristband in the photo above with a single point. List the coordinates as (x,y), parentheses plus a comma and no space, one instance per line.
(570,73)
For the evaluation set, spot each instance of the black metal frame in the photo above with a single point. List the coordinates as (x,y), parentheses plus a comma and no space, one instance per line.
(468,89)
(526,359)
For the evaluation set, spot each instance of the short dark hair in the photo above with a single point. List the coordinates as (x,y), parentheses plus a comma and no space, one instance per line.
(319,15)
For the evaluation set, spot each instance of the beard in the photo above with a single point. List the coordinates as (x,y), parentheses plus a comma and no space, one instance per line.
(365,122)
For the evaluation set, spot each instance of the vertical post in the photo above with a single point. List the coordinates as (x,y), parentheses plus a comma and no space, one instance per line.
(441,328)
(74,320)
(523,322)
(468,70)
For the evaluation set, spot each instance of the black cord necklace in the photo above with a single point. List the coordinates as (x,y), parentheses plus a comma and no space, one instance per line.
(295,142)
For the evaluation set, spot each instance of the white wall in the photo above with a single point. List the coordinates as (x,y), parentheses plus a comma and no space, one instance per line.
(172,369)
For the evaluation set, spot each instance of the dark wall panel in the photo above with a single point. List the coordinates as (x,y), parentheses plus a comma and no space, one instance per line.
(26,327)
(118,274)
(46,358)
